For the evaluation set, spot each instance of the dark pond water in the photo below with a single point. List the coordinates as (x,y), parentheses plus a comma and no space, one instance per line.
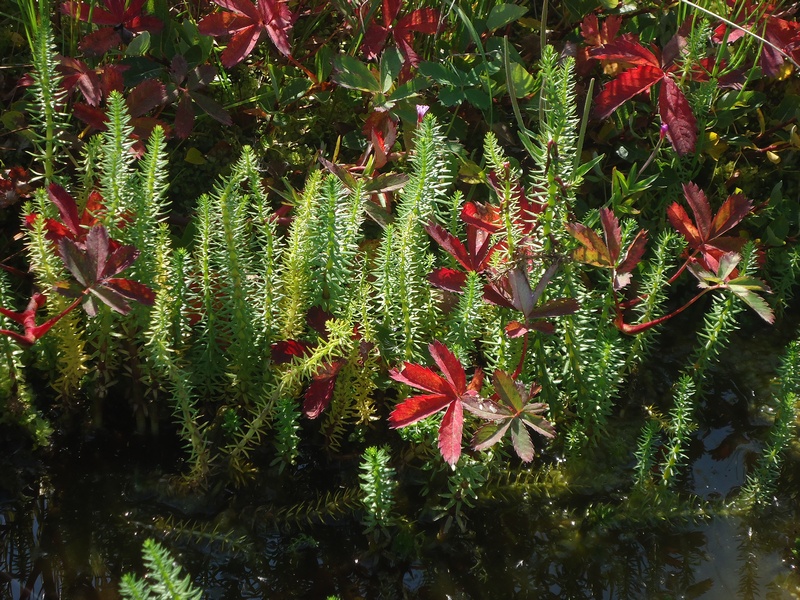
(71,525)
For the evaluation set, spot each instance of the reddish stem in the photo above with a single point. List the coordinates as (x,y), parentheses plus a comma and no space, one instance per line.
(634,329)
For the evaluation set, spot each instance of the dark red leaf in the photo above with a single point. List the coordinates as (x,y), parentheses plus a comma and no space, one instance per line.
(184,117)
(627,49)
(701,209)
(320,391)
(450,433)
(66,207)
(96,118)
(612,233)
(146,96)
(240,46)
(634,253)
(451,244)
(626,86)
(212,108)
(283,352)
(133,290)
(677,115)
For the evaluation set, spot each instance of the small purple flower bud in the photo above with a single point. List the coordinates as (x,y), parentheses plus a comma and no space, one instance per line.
(421,110)
(664,129)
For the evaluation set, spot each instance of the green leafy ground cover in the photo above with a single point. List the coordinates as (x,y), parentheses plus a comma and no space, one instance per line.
(360,253)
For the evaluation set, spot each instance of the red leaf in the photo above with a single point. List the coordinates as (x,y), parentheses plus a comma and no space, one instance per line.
(735,208)
(184,117)
(422,378)
(66,207)
(99,42)
(374,41)
(283,352)
(683,224)
(627,49)
(612,232)
(483,216)
(449,365)
(700,208)
(133,290)
(422,20)
(626,86)
(450,433)
(417,408)
(634,253)
(451,244)
(677,114)
(448,279)
(119,260)
(149,94)
(96,118)
(320,391)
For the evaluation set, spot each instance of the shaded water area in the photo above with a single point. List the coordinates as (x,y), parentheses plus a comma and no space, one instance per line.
(73,523)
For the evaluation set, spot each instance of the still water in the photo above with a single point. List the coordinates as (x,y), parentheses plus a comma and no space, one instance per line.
(73,523)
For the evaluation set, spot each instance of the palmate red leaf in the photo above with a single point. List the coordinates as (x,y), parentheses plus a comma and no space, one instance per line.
(245,23)
(450,433)
(612,232)
(626,86)
(595,34)
(677,115)
(99,42)
(483,216)
(705,234)
(117,261)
